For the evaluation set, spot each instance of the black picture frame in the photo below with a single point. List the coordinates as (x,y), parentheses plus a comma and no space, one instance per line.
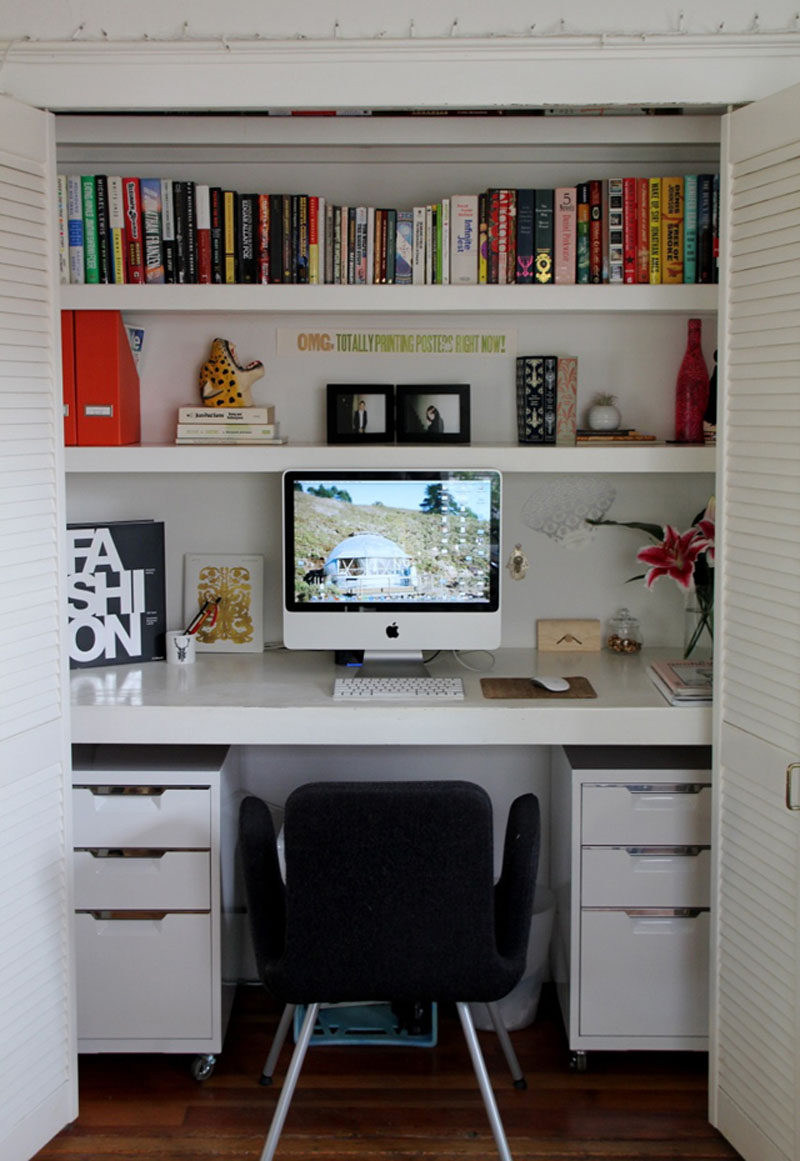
(344,405)
(432,413)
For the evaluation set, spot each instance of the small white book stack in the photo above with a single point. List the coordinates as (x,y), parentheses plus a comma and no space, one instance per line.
(223,425)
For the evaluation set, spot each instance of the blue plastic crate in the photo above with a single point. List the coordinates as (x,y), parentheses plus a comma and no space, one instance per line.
(364,1024)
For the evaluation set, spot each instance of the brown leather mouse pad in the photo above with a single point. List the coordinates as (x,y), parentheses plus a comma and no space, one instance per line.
(523,687)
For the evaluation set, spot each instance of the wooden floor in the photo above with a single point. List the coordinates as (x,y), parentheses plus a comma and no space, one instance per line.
(393,1103)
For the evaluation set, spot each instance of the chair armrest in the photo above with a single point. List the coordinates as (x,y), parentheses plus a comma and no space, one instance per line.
(515,888)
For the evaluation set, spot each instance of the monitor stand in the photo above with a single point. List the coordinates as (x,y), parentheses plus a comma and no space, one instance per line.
(392,663)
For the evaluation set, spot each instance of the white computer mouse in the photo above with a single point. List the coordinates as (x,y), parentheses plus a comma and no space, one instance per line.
(554,684)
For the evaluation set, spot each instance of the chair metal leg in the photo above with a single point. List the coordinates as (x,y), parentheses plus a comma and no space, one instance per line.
(482,1075)
(287,1092)
(277,1044)
(508,1048)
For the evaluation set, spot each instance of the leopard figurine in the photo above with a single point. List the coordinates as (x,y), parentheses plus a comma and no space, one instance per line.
(224,381)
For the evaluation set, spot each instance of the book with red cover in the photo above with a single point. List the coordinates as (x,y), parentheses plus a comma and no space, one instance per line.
(68,377)
(203,232)
(262,248)
(106,381)
(134,248)
(629,230)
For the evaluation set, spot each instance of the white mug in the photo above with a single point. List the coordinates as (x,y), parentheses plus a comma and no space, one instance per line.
(180,647)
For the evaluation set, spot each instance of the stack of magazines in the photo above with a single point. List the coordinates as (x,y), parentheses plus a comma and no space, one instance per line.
(683,682)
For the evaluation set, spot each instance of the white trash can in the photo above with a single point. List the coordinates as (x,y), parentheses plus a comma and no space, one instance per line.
(518,1008)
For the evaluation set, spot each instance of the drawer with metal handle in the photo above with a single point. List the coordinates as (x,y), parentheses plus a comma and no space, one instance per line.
(141,816)
(141,878)
(645,876)
(646,813)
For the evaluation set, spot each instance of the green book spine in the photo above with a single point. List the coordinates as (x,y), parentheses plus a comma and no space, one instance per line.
(690,227)
(91,251)
(582,232)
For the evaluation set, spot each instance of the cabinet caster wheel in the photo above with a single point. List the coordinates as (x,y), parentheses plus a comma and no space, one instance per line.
(578,1062)
(203,1066)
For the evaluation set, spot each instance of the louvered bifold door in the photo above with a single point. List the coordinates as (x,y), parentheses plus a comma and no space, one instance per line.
(37,1055)
(755,1094)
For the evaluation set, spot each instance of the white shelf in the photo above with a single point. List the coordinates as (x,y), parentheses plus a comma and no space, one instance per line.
(394,300)
(277,458)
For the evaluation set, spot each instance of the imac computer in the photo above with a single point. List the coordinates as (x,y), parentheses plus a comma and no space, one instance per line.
(391,563)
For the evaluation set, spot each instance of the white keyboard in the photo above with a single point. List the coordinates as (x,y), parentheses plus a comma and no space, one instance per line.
(398,688)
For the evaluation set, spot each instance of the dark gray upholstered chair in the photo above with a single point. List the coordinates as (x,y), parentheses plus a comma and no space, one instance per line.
(389,894)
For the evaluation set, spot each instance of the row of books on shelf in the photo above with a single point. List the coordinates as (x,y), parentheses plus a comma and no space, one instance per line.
(686,682)
(619,230)
(229,425)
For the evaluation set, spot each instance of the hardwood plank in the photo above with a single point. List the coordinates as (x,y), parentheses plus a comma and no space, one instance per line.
(392,1103)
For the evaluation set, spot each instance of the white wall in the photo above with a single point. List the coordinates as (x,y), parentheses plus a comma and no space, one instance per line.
(165,19)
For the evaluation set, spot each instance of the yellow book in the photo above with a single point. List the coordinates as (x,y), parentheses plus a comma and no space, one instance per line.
(655,229)
(672,229)
(229,234)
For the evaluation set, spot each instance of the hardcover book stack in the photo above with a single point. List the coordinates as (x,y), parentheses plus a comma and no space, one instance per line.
(619,230)
(547,389)
(683,682)
(223,425)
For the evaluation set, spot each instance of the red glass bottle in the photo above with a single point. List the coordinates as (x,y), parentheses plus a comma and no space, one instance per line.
(691,389)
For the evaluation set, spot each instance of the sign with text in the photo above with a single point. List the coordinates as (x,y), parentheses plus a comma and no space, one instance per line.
(394,342)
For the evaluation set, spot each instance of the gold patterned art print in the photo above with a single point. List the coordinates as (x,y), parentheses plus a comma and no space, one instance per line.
(236,584)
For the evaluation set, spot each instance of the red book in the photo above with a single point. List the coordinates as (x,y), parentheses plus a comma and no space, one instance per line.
(203,232)
(68,377)
(629,229)
(262,249)
(106,380)
(595,231)
(642,230)
(134,249)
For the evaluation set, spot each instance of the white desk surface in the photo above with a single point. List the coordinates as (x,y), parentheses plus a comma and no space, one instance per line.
(283,698)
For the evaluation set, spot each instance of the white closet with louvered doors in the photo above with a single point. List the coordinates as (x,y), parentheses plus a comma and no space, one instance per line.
(37,1046)
(755,1066)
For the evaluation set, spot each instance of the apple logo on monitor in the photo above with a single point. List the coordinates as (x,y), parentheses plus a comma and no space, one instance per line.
(392,630)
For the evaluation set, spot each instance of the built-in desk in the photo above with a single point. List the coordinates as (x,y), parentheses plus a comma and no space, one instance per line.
(284,698)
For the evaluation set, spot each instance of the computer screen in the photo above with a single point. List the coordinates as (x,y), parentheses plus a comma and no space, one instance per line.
(391,560)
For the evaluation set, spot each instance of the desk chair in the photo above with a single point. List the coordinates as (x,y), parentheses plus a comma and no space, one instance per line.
(389,894)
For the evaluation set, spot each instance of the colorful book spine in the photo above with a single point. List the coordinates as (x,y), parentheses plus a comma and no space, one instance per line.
(313,240)
(103,242)
(567,400)
(464,239)
(203,232)
(91,256)
(168,230)
(63,229)
(150,189)
(216,232)
(672,229)
(543,236)
(404,248)
(642,230)
(418,263)
(483,239)
(116,229)
(654,217)
(229,232)
(134,254)
(690,227)
(616,228)
(565,245)
(391,244)
(211,415)
(530,399)
(300,206)
(511,251)
(525,232)
(595,232)
(705,232)
(630,226)
(360,245)
(262,240)
(582,215)
(715,227)
(77,267)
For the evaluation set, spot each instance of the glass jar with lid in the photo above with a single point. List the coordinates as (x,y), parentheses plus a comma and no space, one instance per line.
(623,634)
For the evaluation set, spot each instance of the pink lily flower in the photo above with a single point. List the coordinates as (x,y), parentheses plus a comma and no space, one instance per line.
(673,557)
(707,527)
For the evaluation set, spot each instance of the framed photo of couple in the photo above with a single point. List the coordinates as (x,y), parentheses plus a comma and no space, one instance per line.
(413,413)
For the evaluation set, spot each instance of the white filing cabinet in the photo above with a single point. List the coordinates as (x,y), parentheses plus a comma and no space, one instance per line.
(630,868)
(151,899)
